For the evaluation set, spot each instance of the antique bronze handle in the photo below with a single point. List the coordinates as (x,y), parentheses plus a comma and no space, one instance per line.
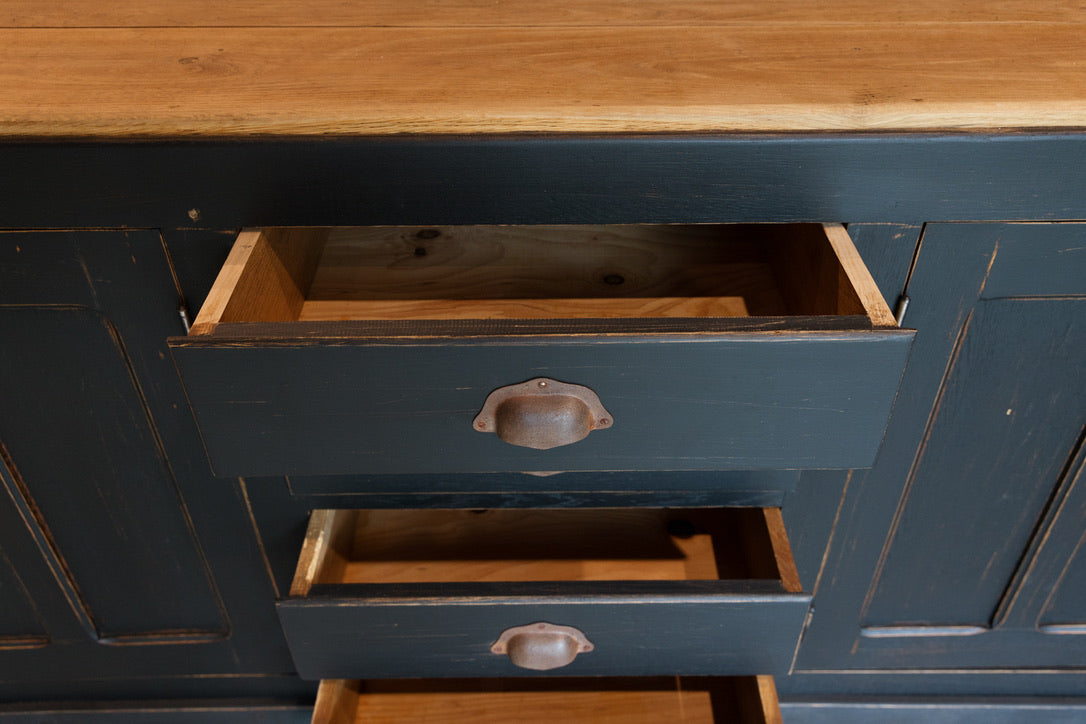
(541,646)
(542,413)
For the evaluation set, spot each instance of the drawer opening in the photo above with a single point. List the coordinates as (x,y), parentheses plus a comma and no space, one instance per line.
(387,594)
(447,546)
(616,272)
(691,700)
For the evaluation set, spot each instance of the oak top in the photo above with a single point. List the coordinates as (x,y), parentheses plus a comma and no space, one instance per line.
(147,68)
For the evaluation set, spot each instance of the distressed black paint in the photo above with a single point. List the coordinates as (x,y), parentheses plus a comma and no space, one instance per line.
(545,179)
(669,628)
(722,402)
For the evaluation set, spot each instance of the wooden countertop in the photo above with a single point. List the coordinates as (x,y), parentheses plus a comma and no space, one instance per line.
(139,68)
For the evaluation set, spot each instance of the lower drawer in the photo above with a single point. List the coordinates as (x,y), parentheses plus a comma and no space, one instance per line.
(602,700)
(448,593)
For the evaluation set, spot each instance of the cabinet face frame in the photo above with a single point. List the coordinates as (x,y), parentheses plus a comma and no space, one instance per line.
(518,179)
(966,278)
(95,306)
(955,177)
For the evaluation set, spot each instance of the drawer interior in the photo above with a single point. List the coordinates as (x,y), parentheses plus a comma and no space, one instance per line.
(597,700)
(443,546)
(321,275)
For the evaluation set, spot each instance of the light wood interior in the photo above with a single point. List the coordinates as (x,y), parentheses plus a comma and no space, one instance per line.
(239,69)
(542,272)
(856,289)
(546,13)
(265,278)
(321,310)
(438,546)
(599,701)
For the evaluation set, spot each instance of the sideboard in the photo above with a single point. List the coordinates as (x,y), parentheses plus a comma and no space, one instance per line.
(939,576)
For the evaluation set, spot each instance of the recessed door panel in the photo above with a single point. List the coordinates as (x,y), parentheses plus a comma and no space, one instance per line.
(92,470)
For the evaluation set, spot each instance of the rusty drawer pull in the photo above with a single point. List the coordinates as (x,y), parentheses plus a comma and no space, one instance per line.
(542,413)
(542,646)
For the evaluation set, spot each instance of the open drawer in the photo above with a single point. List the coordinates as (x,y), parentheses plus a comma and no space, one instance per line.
(733,700)
(390,350)
(617,592)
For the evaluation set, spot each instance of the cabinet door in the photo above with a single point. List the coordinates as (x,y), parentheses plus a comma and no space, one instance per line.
(119,554)
(961,547)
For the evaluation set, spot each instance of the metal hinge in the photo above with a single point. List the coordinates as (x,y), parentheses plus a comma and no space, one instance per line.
(183,312)
(900,308)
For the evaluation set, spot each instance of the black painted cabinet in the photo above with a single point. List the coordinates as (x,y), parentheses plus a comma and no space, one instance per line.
(961,547)
(122,558)
(952,567)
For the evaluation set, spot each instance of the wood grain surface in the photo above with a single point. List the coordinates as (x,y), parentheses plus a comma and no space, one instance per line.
(388,68)
(541,272)
(428,546)
(448,546)
(458,272)
(601,707)
(438,13)
(681,307)
(266,277)
(673,699)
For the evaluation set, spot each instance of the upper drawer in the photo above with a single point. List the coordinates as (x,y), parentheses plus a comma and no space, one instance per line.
(448,593)
(707,347)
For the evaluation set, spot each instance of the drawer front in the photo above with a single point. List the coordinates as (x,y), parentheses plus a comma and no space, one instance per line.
(728,402)
(388,594)
(675,629)
(340,352)
(631,701)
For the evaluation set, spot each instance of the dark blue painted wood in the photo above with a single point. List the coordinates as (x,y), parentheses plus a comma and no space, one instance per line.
(1038,260)
(718,402)
(663,629)
(1009,415)
(812,507)
(744,488)
(58,691)
(197,257)
(161,712)
(872,178)
(20,622)
(1030,343)
(92,471)
(37,572)
(545,179)
(1058,563)
(117,514)
(987,684)
(935,711)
